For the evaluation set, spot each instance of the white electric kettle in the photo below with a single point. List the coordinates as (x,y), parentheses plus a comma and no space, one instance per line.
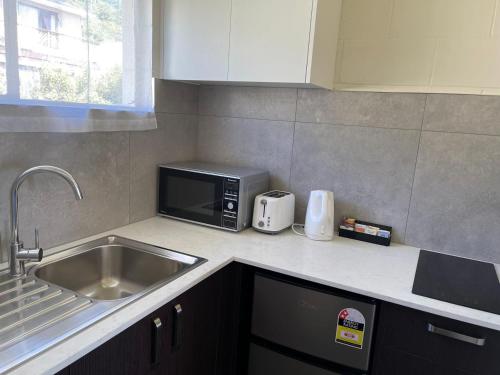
(319,216)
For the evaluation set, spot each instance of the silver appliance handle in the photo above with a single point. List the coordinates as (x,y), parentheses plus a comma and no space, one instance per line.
(455,335)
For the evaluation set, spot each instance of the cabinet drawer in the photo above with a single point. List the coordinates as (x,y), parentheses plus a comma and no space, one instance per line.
(305,319)
(442,341)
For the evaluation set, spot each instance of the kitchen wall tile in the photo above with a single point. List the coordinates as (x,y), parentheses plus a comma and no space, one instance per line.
(248,142)
(413,18)
(102,164)
(463,113)
(471,18)
(403,111)
(250,102)
(395,61)
(470,62)
(456,197)
(338,61)
(98,161)
(419,46)
(369,170)
(176,97)
(491,91)
(496,24)
(174,140)
(365,19)
(442,18)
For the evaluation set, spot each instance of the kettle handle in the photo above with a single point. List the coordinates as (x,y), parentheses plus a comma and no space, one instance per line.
(324,203)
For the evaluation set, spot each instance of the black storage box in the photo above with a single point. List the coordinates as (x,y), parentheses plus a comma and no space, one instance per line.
(367,237)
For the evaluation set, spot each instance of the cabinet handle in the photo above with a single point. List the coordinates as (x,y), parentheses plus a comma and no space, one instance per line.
(455,335)
(177,334)
(156,344)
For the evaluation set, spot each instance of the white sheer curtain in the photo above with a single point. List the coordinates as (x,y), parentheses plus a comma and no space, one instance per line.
(76,65)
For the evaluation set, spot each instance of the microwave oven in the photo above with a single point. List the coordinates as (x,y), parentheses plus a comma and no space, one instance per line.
(210,194)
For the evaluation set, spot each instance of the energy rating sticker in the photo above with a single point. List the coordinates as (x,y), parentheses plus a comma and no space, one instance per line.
(350,328)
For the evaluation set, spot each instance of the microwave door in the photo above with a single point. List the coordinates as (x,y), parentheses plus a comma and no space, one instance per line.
(191,196)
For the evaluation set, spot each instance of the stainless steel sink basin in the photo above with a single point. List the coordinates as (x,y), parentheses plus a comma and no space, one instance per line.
(116,269)
(77,287)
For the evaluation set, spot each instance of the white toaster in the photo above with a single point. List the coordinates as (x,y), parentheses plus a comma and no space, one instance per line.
(273,211)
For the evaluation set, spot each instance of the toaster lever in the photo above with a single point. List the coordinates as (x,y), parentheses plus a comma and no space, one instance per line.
(264,203)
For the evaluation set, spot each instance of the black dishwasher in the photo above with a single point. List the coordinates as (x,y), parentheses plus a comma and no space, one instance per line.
(300,329)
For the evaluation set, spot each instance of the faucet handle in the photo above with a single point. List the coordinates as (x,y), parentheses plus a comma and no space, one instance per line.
(35,254)
(37,239)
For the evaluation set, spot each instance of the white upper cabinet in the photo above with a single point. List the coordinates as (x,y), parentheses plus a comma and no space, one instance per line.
(260,42)
(194,39)
(270,40)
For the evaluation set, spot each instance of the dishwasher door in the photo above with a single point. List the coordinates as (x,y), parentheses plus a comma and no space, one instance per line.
(314,321)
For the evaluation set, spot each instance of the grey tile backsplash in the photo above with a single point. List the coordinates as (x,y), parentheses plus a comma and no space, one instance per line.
(425,164)
(98,161)
(249,102)
(383,110)
(368,181)
(116,172)
(417,162)
(174,140)
(248,142)
(456,195)
(472,114)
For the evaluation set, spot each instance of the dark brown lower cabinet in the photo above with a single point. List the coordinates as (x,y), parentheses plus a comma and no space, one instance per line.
(198,335)
(412,342)
(206,331)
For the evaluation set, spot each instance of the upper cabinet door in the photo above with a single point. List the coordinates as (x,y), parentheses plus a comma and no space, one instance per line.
(270,40)
(195,39)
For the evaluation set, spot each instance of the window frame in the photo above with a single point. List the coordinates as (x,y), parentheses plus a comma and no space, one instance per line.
(11,52)
(13,95)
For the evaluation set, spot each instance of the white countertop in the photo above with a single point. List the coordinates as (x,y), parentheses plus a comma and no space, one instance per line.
(385,273)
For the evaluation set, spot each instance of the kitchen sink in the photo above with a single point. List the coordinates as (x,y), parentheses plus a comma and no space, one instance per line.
(77,287)
(115,268)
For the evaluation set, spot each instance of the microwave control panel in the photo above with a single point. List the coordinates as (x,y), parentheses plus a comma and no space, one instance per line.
(230,203)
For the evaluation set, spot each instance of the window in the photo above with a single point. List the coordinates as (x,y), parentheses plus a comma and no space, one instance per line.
(3,78)
(81,53)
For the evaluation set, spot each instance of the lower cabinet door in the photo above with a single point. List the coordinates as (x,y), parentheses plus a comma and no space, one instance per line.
(414,342)
(195,329)
(203,327)
(263,361)
(195,334)
(129,353)
(395,362)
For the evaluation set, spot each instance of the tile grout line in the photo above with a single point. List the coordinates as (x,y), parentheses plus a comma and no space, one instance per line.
(196,143)
(391,18)
(293,142)
(308,123)
(291,159)
(460,133)
(129,177)
(420,129)
(493,22)
(296,104)
(415,169)
(245,118)
(198,100)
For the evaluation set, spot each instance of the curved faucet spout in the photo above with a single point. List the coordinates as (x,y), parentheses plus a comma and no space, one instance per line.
(17,251)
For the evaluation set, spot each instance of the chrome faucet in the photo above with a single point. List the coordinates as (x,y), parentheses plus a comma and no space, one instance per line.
(18,254)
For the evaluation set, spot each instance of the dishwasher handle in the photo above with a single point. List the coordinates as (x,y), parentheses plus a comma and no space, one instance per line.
(455,335)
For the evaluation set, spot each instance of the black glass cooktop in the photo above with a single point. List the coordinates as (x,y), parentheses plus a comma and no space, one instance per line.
(457,280)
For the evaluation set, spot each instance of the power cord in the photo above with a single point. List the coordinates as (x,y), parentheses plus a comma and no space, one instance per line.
(300,233)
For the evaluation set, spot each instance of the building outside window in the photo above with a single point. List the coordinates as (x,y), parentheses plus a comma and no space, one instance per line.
(73,51)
